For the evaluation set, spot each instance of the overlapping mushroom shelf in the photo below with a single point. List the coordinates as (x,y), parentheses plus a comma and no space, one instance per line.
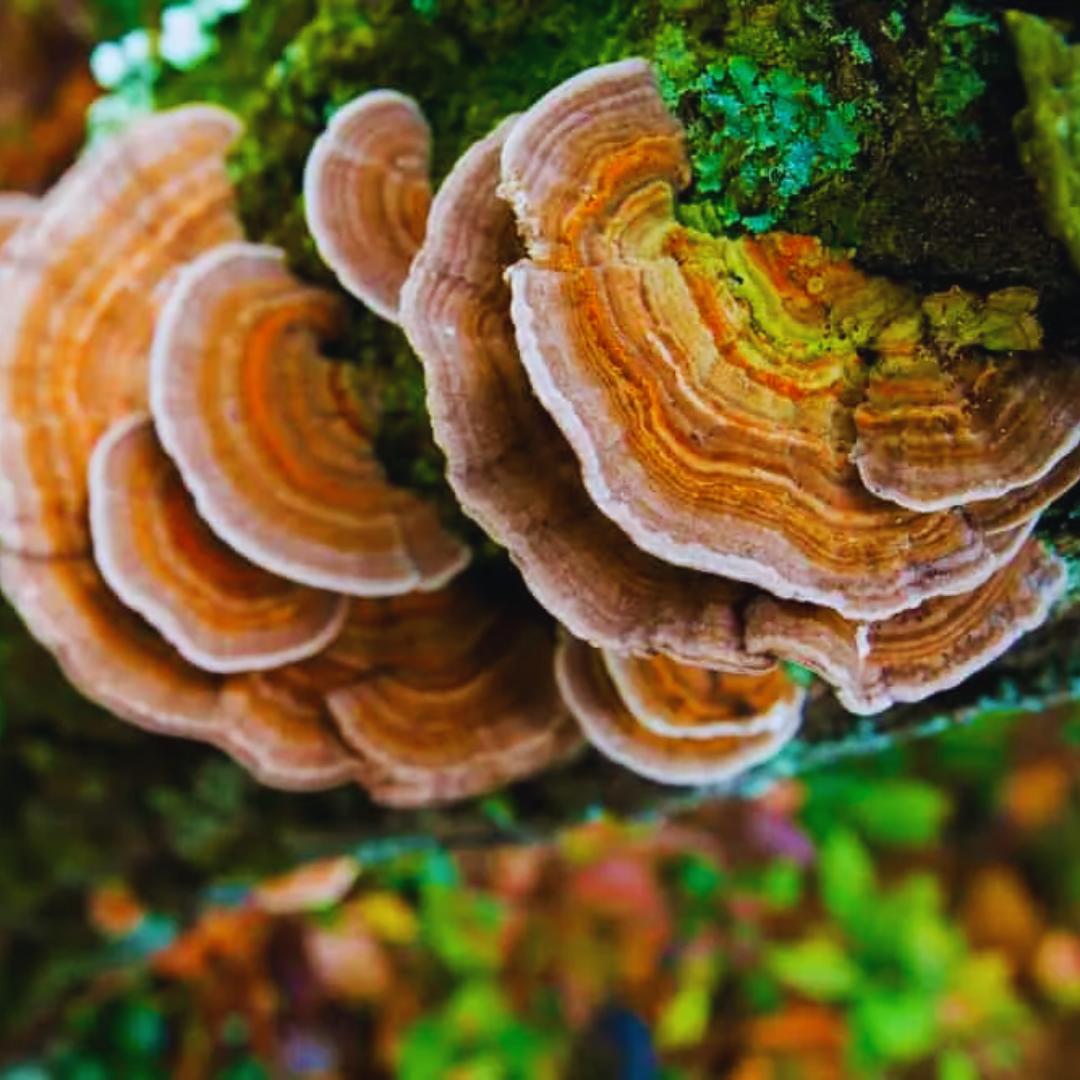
(725,451)
(195,522)
(702,455)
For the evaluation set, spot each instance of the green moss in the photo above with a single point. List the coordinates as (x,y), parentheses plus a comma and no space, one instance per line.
(1048,128)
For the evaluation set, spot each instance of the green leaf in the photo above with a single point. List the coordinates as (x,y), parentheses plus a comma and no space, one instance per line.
(427,1050)
(463,928)
(846,876)
(956,1065)
(477,1012)
(685,1018)
(817,967)
(892,1027)
(762,991)
(905,813)
(781,884)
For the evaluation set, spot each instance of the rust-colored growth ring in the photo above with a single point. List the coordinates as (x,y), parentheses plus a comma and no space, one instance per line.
(509,465)
(919,652)
(452,697)
(83,280)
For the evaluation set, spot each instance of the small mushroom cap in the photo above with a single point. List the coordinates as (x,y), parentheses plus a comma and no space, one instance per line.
(222,613)
(280,729)
(367,192)
(937,431)
(121,663)
(611,726)
(922,651)
(509,465)
(106,651)
(272,438)
(592,168)
(15,208)
(707,386)
(82,282)
(1024,504)
(455,698)
(682,701)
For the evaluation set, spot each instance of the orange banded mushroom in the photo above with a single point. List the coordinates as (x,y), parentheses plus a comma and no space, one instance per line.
(120,662)
(757,720)
(220,612)
(919,652)
(681,701)
(456,698)
(82,283)
(509,465)
(367,192)
(934,433)
(708,386)
(438,696)
(273,439)
(1026,503)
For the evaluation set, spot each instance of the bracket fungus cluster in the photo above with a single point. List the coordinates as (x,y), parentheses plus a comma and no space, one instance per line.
(193,518)
(703,455)
(727,452)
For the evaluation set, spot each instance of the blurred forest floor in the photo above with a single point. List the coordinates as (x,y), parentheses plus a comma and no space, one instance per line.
(915,914)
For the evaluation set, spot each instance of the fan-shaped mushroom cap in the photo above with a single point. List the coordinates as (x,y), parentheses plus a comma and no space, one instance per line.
(708,386)
(456,697)
(120,662)
(509,465)
(272,439)
(221,612)
(919,652)
(1024,504)
(82,284)
(367,192)
(284,711)
(683,701)
(932,434)
(620,733)
(15,208)
(106,651)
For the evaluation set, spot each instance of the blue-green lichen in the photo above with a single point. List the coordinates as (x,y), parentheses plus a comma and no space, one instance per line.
(763,137)
(1048,128)
(963,35)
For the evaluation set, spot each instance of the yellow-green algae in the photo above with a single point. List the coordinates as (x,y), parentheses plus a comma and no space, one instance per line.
(1048,128)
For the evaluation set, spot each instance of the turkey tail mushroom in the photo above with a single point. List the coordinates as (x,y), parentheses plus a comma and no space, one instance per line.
(222,613)
(508,463)
(273,438)
(709,387)
(367,192)
(456,698)
(919,652)
(83,280)
(708,727)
